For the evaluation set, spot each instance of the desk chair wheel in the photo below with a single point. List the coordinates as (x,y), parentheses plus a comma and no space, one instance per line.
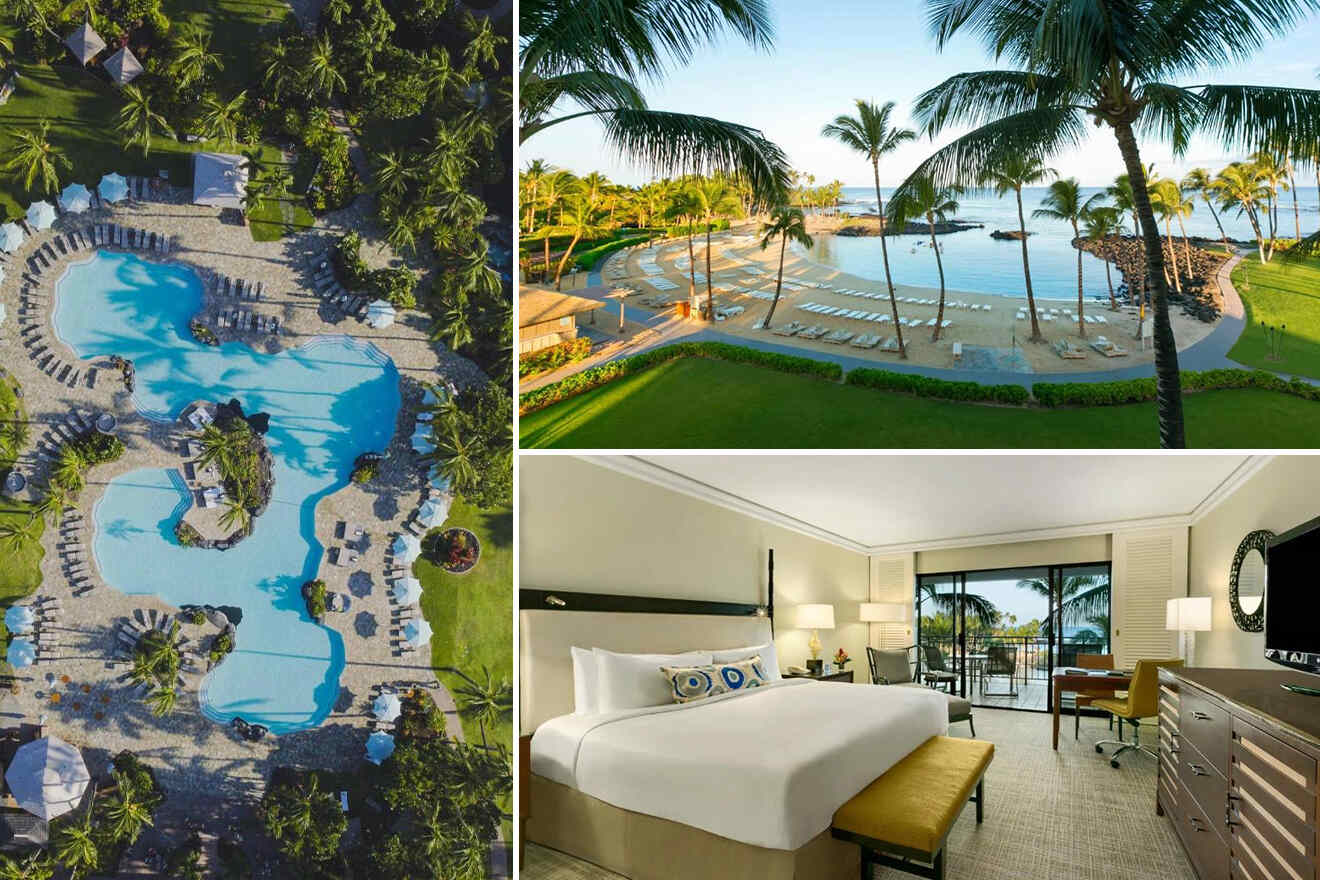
(1099,750)
(1113,764)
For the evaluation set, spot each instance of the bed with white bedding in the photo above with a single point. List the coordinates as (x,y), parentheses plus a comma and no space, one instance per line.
(766,767)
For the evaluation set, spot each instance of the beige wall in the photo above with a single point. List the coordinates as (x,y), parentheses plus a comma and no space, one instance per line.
(586,528)
(1058,551)
(1283,494)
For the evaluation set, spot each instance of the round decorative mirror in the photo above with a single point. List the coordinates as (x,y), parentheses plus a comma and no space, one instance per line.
(1246,582)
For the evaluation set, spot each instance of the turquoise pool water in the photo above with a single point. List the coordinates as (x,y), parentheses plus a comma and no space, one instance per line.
(328,401)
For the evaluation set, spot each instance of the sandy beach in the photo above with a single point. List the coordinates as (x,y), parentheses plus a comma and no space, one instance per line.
(987,327)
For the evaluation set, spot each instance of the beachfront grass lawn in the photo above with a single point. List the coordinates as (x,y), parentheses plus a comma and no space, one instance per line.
(703,403)
(83,109)
(1280,293)
(471,614)
(274,218)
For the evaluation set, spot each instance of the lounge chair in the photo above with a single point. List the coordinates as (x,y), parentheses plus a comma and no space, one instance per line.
(838,337)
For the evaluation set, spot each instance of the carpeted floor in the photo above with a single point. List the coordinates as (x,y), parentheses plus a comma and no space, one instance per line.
(1048,815)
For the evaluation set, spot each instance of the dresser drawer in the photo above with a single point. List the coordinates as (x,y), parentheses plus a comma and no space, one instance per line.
(1263,850)
(1283,775)
(1208,726)
(1207,849)
(1210,790)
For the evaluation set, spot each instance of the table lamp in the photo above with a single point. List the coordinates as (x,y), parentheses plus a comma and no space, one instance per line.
(815,618)
(883,613)
(1188,615)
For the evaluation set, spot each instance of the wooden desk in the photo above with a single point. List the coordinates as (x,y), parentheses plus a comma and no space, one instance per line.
(845,675)
(1084,684)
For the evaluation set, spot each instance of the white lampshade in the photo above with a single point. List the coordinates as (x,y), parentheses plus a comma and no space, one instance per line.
(1188,614)
(815,617)
(882,612)
(1250,604)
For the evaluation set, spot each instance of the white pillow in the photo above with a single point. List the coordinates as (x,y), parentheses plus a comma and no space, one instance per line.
(769,661)
(634,681)
(585,680)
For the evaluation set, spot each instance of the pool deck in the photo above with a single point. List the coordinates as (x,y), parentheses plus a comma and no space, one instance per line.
(211,775)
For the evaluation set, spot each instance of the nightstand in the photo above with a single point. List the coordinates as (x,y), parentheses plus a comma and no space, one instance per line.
(524,793)
(845,675)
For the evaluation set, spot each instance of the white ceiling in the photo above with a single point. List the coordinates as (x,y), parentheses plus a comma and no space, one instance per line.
(879,502)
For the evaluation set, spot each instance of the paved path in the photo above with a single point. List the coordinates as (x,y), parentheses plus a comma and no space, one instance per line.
(1210,353)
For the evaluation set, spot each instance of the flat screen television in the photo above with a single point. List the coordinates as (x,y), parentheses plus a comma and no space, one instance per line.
(1292,598)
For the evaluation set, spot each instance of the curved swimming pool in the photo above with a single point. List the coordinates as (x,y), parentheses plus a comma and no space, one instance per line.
(328,401)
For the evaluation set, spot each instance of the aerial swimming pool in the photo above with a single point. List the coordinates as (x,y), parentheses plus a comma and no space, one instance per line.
(328,401)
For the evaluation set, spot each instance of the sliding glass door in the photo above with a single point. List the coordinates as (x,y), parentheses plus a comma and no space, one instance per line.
(995,636)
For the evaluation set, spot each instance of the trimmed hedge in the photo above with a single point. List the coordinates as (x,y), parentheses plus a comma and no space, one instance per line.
(588,259)
(680,230)
(578,383)
(553,357)
(1143,390)
(924,386)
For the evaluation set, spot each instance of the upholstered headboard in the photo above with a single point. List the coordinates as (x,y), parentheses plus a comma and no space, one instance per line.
(546,666)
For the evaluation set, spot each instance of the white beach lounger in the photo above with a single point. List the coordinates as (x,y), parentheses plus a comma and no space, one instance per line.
(930,323)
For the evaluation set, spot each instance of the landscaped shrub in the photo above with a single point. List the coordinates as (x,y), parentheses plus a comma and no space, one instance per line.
(314,593)
(554,357)
(394,286)
(571,386)
(1142,390)
(350,268)
(221,645)
(588,259)
(925,386)
(366,468)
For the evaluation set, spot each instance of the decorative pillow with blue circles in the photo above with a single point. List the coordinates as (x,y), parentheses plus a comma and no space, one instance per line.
(688,684)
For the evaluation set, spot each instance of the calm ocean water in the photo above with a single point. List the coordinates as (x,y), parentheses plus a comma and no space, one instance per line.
(975,262)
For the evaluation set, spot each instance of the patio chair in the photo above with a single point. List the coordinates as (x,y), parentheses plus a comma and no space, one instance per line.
(936,673)
(1000,660)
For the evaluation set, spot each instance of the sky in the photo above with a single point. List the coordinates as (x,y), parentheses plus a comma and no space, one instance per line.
(828,54)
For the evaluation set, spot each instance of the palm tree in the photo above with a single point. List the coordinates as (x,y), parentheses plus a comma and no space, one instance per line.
(283,69)
(194,60)
(1012,173)
(580,219)
(1273,176)
(453,455)
(1166,201)
(236,512)
(138,121)
(322,74)
(1063,201)
(1121,194)
(487,701)
(484,43)
(36,865)
(1082,599)
(76,845)
(127,811)
(220,118)
(981,608)
(593,54)
(1171,196)
(1102,61)
(1199,181)
(1239,186)
(455,324)
(869,133)
(530,179)
(1102,223)
(15,537)
(785,223)
(162,701)
(685,207)
(715,199)
(920,197)
(34,158)
(55,501)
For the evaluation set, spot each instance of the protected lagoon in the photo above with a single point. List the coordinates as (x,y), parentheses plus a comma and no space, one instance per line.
(328,401)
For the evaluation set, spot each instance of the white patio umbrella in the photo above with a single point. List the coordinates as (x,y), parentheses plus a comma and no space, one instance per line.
(421,438)
(440,482)
(47,777)
(3,313)
(434,511)
(113,187)
(21,653)
(380,314)
(11,237)
(41,215)
(76,198)
(406,548)
(19,618)
(387,707)
(2,273)
(417,633)
(407,591)
(380,745)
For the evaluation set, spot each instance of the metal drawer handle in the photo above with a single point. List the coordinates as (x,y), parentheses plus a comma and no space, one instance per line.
(1195,822)
(1200,716)
(1198,769)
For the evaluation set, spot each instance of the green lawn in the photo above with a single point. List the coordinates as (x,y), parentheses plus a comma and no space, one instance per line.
(273,218)
(472,614)
(20,561)
(1280,294)
(701,403)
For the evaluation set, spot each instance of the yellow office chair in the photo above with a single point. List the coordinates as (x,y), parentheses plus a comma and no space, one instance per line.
(1143,698)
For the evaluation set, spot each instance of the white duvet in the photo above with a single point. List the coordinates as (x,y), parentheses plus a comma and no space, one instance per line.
(766,767)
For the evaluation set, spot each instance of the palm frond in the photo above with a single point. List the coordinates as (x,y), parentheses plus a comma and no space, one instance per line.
(594,90)
(1172,113)
(981,96)
(1256,117)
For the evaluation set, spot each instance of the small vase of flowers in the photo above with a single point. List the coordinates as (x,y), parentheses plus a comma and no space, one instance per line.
(841,658)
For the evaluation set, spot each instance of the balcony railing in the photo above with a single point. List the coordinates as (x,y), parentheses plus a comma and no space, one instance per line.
(1032,653)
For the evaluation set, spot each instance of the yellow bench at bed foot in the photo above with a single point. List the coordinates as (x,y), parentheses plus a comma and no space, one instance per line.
(911,808)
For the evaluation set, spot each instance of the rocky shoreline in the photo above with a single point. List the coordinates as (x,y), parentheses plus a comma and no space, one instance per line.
(1200,297)
(869,224)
